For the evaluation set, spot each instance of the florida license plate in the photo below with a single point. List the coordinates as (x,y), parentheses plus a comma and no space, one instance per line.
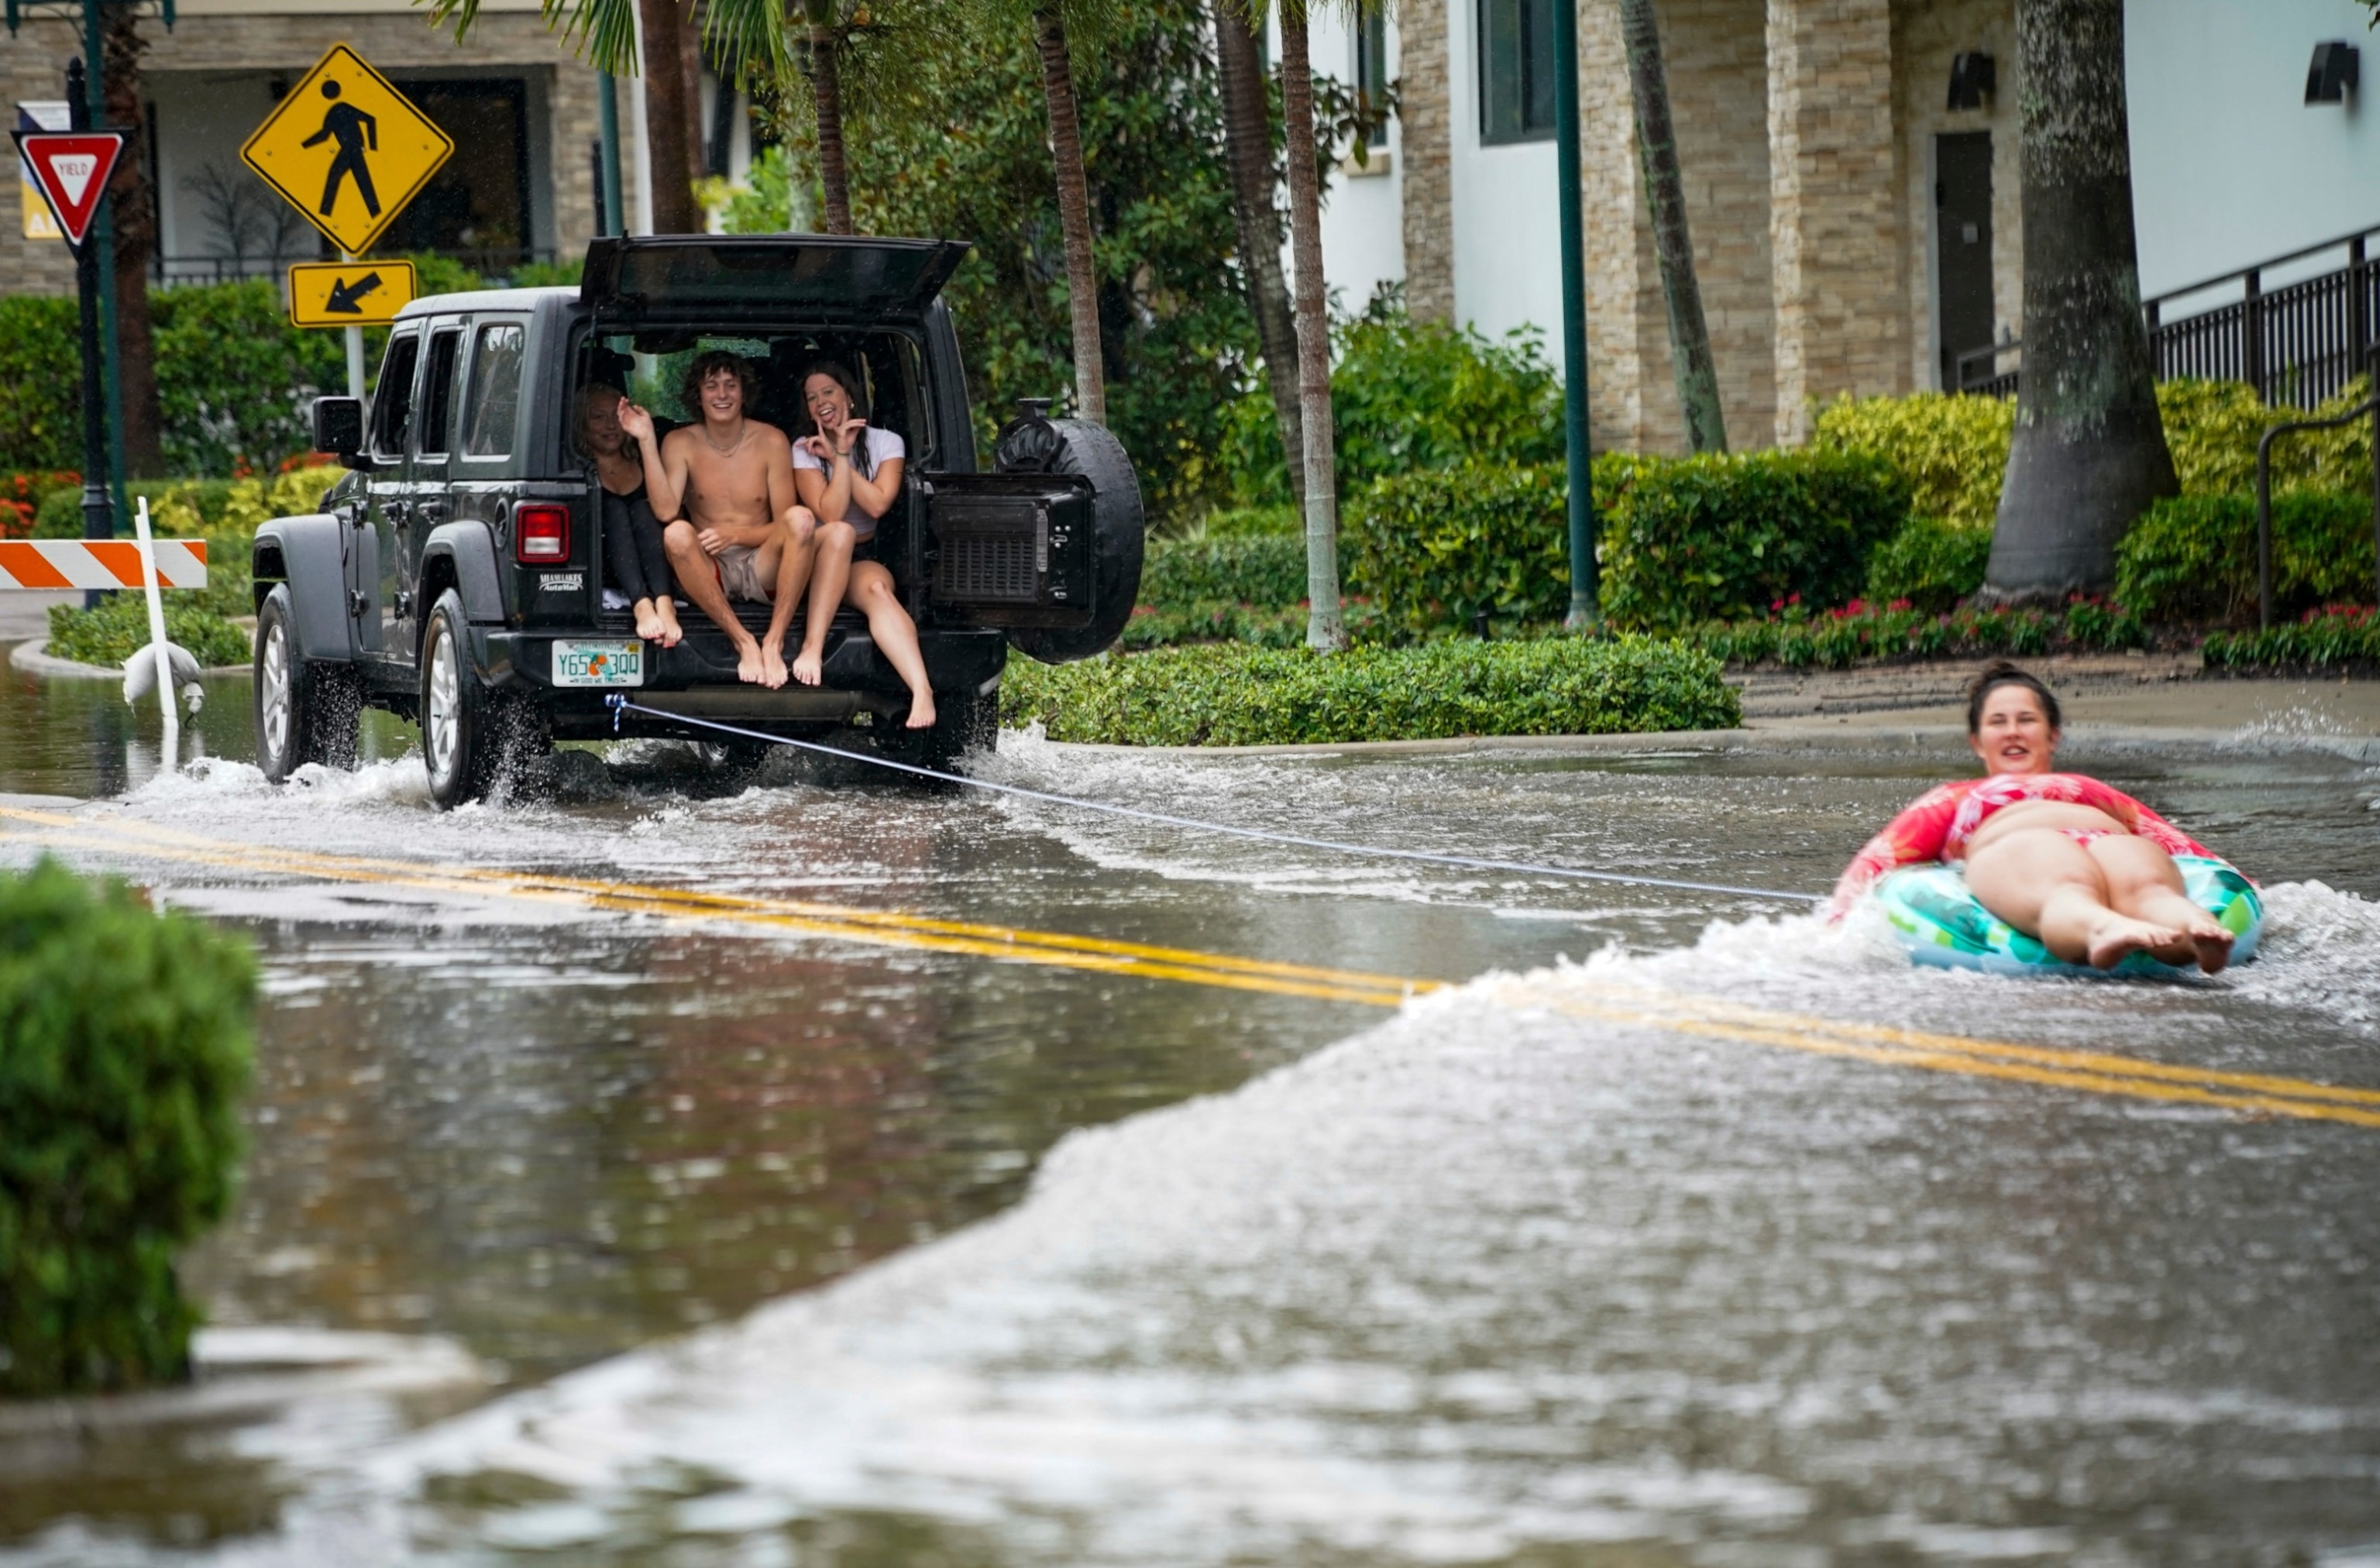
(599,663)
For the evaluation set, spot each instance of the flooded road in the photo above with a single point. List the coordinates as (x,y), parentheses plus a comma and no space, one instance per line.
(974,1181)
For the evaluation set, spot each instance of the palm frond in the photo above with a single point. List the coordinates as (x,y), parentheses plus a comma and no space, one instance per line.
(602,32)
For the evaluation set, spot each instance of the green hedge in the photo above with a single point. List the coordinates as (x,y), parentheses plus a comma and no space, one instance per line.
(40,382)
(1252,624)
(1930,561)
(1261,569)
(2333,635)
(191,508)
(1951,451)
(1408,395)
(1228,695)
(2193,558)
(124,1053)
(109,634)
(1728,536)
(1441,547)
(1857,633)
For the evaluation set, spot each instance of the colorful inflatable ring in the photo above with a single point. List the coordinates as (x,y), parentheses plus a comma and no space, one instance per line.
(1939,921)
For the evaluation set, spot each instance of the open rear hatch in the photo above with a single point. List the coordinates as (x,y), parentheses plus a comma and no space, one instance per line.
(717,280)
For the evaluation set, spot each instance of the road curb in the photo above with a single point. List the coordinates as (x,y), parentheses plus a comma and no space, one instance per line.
(33,658)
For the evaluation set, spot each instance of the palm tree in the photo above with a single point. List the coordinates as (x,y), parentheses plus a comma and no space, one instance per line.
(1050,34)
(2089,453)
(672,107)
(1248,149)
(1665,196)
(1326,628)
(135,207)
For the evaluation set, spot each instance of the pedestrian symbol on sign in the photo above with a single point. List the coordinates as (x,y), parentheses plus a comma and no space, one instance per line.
(346,149)
(354,132)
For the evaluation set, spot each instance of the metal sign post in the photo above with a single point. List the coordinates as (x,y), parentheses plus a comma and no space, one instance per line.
(1585,604)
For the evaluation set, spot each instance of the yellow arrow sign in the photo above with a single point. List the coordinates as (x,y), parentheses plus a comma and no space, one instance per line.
(348,294)
(346,149)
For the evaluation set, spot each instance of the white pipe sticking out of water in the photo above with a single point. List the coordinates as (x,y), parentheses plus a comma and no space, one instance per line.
(171,747)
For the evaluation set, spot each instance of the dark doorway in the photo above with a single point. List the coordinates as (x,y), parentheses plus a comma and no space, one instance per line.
(1963,228)
(478,204)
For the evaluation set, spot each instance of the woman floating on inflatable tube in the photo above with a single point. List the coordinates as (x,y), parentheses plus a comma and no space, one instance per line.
(2085,868)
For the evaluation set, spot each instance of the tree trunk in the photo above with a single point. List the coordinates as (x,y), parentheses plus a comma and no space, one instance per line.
(135,207)
(826,97)
(1073,214)
(1247,146)
(2089,453)
(1325,627)
(698,128)
(1665,196)
(669,118)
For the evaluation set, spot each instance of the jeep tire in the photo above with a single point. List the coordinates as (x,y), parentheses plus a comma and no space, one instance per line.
(306,709)
(1119,534)
(474,741)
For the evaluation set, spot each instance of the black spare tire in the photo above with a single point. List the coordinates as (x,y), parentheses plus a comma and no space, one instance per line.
(1093,451)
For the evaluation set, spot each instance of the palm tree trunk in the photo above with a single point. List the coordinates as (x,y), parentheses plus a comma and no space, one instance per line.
(135,208)
(1665,196)
(2089,453)
(669,119)
(826,95)
(1325,627)
(1073,214)
(1247,146)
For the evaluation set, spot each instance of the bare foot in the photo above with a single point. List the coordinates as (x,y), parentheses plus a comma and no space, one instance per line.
(649,621)
(921,712)
(811,667)
(773,667)
(666,613)
(2212,944)
(749,668)
(2118,937)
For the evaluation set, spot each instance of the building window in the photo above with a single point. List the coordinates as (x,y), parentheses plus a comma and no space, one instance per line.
(1517,70)
(1371,45)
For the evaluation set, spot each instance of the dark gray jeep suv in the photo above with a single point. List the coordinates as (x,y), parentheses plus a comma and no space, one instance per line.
(455,575)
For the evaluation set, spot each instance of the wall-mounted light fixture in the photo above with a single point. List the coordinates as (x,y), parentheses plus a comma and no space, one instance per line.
(1973,77)
(2336,72)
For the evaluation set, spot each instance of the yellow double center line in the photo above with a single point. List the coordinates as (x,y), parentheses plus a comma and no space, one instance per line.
(1676,1013)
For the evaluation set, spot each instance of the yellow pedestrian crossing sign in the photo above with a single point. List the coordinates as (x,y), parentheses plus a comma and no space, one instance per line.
(346,149)
(348,294)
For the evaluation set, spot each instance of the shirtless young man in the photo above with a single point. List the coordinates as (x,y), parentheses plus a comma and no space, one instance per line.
(739,531)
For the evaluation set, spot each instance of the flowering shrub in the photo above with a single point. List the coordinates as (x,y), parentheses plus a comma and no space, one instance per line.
(2332,635)
(20,498)
(1837,638)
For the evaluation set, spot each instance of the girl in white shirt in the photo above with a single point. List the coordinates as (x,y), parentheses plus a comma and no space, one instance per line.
(848,474)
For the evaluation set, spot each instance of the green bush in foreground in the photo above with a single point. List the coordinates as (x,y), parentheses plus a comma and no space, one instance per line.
(109,634)
(1228,695)
(124,1053)
(2193,558)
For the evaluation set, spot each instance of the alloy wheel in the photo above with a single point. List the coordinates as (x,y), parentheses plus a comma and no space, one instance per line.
(274,670)
(441,731)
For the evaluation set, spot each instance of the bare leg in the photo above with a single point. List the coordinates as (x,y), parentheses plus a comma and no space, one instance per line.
(665,613)
(700,577)
(896,636)
(829,578)
(2043,883)
(2142,882)
(794,549)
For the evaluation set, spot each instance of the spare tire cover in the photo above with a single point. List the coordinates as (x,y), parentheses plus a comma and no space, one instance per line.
(1094,452)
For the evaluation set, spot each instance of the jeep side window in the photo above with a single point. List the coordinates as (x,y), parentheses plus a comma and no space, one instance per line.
(393,398)
(493,409)
(438,393)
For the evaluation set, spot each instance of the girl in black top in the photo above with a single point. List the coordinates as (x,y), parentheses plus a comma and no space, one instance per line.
(634,559)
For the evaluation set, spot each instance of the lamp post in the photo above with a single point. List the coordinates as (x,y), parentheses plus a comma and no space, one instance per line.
(1585,607)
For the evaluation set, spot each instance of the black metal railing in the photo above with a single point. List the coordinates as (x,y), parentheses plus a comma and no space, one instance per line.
(2298,345)
(167,271)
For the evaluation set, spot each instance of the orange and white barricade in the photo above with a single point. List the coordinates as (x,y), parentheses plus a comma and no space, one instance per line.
(98,563)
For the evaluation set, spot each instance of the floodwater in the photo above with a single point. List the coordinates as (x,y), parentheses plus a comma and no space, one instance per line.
(581,1229)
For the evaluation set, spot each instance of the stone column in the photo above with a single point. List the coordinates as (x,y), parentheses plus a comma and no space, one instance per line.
(1834,214)
(1423,145)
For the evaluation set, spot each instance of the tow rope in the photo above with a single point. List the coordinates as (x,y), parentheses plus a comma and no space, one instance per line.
(620,704)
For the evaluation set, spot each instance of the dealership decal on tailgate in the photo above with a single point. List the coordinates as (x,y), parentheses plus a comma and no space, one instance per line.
(599,663)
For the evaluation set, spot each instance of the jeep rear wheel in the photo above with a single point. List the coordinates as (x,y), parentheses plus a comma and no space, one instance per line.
(474,741)
(306,709)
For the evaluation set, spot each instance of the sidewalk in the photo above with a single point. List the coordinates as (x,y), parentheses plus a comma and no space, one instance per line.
(24,615)
(2160,691)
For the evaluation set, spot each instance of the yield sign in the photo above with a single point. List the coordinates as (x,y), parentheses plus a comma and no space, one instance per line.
(71,167)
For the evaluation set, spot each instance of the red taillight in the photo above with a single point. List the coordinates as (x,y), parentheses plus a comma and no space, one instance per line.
(540,534)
